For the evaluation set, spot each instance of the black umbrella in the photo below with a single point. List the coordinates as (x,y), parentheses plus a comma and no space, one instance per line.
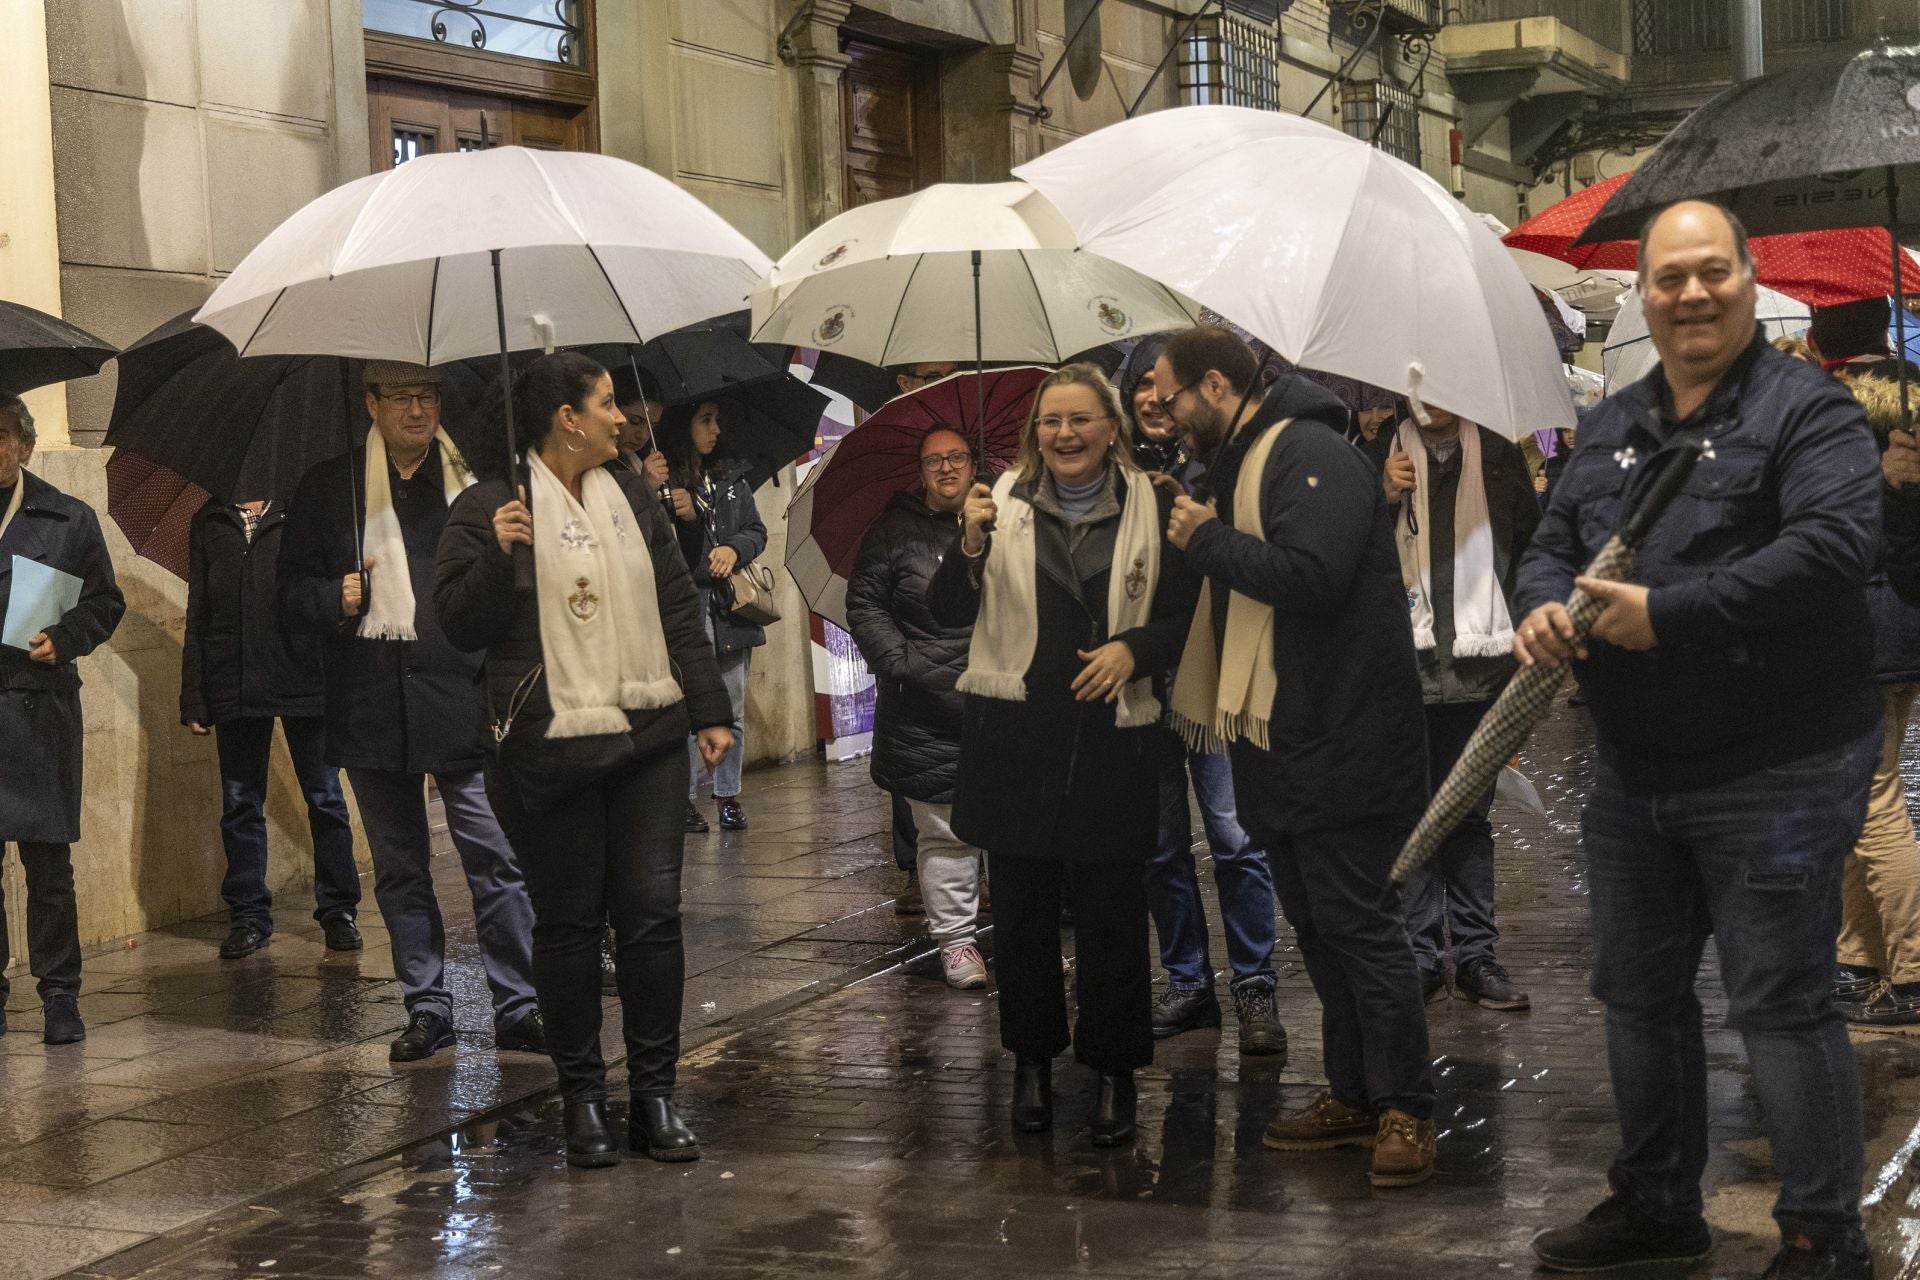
(241,428)
(37,350)
(779,420)
(1815,149)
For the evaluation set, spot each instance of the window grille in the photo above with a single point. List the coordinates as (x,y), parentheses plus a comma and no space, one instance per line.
(1384,115)
(545,30)
(1230,60)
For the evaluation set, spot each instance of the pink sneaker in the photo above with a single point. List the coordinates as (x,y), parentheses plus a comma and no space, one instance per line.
(964,966)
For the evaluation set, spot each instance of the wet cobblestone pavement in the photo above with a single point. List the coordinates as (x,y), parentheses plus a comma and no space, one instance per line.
(859,1127)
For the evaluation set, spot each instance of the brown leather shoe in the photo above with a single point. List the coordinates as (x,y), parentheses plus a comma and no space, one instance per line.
(1322,1124)
(1402,1150)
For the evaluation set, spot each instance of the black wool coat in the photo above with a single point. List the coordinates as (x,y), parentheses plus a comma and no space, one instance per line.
(481,611)
(1347,734)
(237,660)
(1051,777)
(41,737)
(406,705)
(915,658)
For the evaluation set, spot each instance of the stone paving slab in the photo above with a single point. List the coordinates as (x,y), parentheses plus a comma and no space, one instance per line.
(859,1128)
(205,1084)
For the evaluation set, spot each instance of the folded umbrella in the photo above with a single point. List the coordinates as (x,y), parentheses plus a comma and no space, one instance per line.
(1504,729)
(1340,257)
(37,350)
(845,494)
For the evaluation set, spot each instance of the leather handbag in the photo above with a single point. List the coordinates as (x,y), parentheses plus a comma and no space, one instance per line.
(752,588)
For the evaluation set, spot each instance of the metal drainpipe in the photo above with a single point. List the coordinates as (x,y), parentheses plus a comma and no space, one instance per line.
(1743,24)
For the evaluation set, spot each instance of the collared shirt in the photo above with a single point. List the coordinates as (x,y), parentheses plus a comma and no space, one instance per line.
(249,518)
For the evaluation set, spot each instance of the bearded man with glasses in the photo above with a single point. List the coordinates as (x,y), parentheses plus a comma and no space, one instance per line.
(916,660)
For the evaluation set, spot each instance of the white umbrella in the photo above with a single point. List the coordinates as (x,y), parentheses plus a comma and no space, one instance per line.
(399,265)
(1629,355)
(894,283)
(458,255)
(1337,255)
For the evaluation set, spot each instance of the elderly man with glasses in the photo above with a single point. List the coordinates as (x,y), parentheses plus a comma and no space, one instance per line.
(40,728)
(916,661)
(402,704)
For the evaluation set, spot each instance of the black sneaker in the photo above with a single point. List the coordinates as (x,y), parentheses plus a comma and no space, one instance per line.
(1182,1009)
(1433,985)
(426,1035)
(696,823)
(1801,1259)
(732,816)
(62,1025)
(342,934)
(1894,1004)
(1486,984)
(1853,986)
(1621,1231)
(243,941)
(1260,1031)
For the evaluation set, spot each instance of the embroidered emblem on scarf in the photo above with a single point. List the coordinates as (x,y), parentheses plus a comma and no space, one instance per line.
(583,604)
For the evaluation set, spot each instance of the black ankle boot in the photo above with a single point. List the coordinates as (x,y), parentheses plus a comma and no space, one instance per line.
(655,1128)
(589,1142)
(1032,1095)
(1113,1111)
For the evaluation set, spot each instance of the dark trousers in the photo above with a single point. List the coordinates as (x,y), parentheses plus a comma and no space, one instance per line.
(53,921)
(1114,1030)
(1450,899)
(246,748)
(906,836)
(610,853)
(1756,863)
(1334,890)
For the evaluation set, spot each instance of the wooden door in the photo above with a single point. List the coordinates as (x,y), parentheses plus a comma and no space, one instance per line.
(890,123)
(409,119)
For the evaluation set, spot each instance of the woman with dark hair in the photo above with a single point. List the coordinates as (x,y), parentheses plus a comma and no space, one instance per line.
(1076,601)
(720,534)
(595,673)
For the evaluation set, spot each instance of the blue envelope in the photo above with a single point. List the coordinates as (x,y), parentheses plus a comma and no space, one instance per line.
(41,596)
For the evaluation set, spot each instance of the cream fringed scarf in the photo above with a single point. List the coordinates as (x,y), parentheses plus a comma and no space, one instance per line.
(600,632)
(1008,628)
(389,614)
(1481,625)
(1226,692)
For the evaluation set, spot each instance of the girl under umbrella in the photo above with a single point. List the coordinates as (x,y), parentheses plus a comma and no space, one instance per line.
(720,534)
(595,674)
(1075,598)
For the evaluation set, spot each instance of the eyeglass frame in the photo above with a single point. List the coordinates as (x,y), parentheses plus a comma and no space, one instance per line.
(1060,421)
(947,461)
(405,400)
(1166,403)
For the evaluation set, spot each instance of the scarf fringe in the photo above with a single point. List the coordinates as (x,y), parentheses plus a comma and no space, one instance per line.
(1213,739)
(585,722)
(1137,706)
(1494,646)
(649,695)
(389,631)
(1005,686)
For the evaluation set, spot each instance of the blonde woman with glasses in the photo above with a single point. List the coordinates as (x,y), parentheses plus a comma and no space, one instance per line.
(1075,599)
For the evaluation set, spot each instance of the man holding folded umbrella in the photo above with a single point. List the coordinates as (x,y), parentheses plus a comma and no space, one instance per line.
(40,731)
(1731,688)
(401,702)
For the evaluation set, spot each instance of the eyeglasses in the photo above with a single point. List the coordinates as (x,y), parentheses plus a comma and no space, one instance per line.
(1078,421)
(946,461)
(1166,403)
(406,399)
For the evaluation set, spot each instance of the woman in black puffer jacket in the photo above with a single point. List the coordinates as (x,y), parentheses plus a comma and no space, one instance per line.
(915,660)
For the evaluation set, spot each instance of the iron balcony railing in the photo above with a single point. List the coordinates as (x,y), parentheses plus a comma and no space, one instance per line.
(1601,20)
(1660,27)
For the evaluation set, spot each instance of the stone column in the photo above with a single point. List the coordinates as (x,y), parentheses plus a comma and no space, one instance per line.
(29,232)
(811,46)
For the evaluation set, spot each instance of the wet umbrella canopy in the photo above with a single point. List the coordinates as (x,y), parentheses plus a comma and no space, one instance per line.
(37,350)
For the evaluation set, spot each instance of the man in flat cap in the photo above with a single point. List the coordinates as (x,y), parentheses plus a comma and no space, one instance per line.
(402,704)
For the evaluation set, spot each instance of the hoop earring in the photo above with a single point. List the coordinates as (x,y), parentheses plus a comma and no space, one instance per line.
(570,446)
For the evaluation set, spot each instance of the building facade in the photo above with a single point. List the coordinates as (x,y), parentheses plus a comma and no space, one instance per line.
(152,143)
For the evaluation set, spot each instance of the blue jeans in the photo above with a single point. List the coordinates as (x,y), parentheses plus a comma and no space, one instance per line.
(1240,874)
(1756,863)
(726,776)
(245,747)
(1450,899)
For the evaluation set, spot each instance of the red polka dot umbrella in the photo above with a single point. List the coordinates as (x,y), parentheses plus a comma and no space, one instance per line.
(1818,268)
